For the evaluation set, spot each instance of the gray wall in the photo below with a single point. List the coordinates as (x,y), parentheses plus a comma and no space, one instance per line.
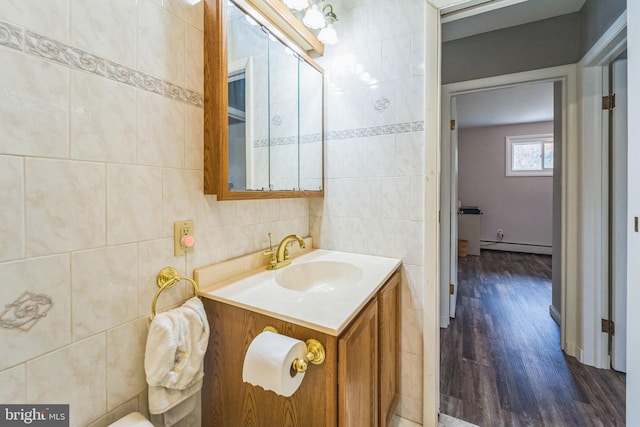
(551,42)
(532,46)
(596,17)
(521,206)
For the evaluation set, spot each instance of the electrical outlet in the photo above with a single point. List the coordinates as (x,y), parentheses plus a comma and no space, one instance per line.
(183,237)
(500,233)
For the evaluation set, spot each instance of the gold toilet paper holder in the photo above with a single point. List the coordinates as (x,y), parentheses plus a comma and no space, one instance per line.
(315,353)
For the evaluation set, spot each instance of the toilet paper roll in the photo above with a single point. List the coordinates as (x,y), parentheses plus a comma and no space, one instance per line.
(268,363)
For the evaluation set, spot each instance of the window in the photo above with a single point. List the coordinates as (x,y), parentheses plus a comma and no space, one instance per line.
(530,155)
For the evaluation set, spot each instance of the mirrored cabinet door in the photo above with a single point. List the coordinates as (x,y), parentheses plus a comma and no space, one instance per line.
(283,117)
(263,108)
(311,119)
(248,92)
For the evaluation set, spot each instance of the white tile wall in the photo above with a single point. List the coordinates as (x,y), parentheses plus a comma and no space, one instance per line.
(12,220)
(374,158)
(105,27)
(160,131)
(99,278)
(77,374)
(194,58)
(37,93)
(46,17)
(14,390)
(107,167)
(125,367)
(134,201)
(49,276)
(65,205)
(97,161)
(160,43)
(103,119)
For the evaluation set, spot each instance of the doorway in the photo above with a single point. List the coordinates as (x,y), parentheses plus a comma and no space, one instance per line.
(568,165)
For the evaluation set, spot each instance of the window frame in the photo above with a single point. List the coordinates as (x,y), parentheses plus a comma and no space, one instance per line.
(519,139)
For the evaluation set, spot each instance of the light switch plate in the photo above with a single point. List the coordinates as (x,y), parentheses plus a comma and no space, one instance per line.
(181,229)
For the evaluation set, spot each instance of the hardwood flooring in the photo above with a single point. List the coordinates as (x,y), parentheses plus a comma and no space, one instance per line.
(501,363)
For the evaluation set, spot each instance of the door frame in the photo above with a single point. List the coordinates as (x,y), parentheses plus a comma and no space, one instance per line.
(570,271)
(592,69)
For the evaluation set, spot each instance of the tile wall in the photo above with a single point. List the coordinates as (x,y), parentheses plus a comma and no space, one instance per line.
(100,152)
(374,156)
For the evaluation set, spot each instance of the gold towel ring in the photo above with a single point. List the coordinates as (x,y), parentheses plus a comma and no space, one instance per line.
(167,277)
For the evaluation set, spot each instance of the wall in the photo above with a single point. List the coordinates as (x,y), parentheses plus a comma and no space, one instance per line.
(521,206)
(374,165)
(596,17)
(546,43)
(100,152)
(633,242)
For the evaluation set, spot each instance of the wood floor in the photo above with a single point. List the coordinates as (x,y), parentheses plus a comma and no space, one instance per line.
(501,363)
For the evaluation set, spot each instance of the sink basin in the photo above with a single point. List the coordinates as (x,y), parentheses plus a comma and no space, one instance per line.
(321,275)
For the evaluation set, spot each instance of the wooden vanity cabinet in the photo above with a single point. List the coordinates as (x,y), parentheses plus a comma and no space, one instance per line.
(358,370)
(357,386)
(389,349)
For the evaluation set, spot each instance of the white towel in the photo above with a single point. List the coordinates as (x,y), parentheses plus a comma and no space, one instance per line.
(174,356)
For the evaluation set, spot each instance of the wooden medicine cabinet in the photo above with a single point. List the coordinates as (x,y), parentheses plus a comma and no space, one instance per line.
(263,111)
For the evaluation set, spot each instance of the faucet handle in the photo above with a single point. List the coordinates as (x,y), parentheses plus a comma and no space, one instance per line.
(274,259)
(270,251)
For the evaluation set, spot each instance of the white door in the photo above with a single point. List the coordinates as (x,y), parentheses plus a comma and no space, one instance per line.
(620,223)
(453,259)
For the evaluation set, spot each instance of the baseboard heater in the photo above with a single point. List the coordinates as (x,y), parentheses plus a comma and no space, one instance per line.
(495,242)
(531,248)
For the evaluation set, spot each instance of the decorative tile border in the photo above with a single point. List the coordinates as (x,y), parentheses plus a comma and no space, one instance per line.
(345,134)
(376,130)
(287,140)
(11,36)
(44,47)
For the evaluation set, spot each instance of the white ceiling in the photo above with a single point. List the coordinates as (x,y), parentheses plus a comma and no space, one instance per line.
(519,104)
(503,17)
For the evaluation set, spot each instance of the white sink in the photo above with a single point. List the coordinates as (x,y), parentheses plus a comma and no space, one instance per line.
(322,290)
(321,276)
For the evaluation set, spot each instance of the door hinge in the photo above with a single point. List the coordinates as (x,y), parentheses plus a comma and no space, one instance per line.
(453,125)
(609,102)
(452,288)
(608,326)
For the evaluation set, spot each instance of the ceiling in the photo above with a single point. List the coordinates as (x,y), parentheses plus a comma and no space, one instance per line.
(479,20)
(519,104)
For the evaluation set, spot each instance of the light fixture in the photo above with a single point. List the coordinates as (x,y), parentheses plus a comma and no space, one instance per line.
(296,4)
(328,34)
(316,15)
(314,18)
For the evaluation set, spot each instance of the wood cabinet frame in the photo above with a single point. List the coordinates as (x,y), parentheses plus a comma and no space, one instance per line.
(360,362)
(216,135)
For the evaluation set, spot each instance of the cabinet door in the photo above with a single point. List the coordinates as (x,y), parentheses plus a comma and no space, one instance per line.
(358,371)
(388,334)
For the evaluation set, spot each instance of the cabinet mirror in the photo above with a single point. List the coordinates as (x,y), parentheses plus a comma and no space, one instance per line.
(263,109)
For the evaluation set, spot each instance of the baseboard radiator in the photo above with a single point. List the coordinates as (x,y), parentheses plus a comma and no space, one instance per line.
(529,248)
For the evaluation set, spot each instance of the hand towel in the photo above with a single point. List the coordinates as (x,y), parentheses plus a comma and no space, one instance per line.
(174,355)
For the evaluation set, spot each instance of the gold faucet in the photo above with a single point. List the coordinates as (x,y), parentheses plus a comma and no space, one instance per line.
(280,257)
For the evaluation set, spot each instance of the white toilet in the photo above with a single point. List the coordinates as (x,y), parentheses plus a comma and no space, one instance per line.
(134,419)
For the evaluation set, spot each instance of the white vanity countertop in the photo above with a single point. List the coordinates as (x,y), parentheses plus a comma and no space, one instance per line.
(328,309)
